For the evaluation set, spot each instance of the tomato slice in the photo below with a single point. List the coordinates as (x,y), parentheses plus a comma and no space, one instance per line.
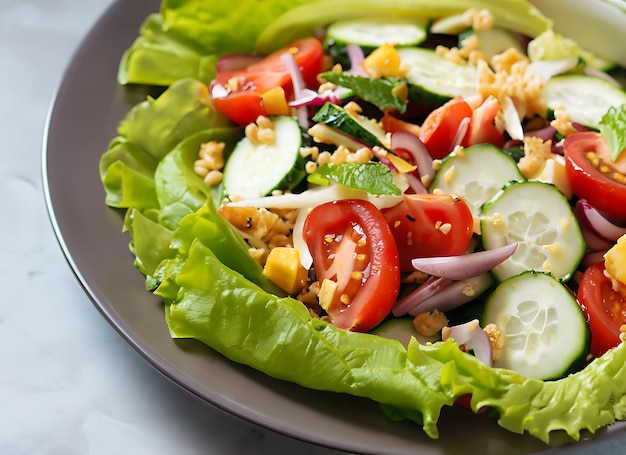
(352,246)
(482,128)
(593,175)
(440,127)
(429,225)
(238,93)
(604,308)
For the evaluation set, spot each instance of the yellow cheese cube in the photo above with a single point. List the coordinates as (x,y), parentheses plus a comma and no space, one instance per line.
(283,267)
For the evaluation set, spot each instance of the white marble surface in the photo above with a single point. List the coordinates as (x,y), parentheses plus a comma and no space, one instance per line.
(69,384)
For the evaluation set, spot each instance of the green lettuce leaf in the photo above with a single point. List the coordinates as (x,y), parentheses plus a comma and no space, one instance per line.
(161,57)
(374,178)
(384,93)
(517,15)
(158,124)
(613,128)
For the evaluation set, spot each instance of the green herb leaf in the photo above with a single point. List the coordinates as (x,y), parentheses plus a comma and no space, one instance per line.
(375,178)
(384,93)
(613,128)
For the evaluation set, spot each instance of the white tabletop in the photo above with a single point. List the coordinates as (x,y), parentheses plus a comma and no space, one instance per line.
(69,384)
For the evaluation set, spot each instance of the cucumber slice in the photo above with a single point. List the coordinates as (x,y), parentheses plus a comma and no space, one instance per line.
(356,126)
(585,98)
(402,329)
(476,174)
(372,32)
(255,170)
(546,334)
(539,217)
(434,80)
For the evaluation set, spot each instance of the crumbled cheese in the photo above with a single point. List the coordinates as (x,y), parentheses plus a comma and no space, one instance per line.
(536,153)
(497,339)
(507,76)
(562,122)
(430,323)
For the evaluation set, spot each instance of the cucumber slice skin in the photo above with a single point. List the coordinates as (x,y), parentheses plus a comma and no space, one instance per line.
(253,171)
(540,218)
(585,98)
(362,130)
(372,32)
(546,333)
(433,80)
(467,175)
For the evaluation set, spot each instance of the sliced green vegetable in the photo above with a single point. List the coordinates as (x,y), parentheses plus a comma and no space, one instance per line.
(372,32)
(545,331)
(353,125)
(540,218)
(256,169)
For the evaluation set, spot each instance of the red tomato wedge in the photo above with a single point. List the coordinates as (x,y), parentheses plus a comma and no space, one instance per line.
(482,128)
(593,175)
(440,127)
(352,247)
(238,93)
(429,225)
(604,308)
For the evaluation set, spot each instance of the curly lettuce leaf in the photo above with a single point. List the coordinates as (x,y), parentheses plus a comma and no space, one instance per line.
(158,124)
(186,38)
(161,57)
(413,383)
(374,178)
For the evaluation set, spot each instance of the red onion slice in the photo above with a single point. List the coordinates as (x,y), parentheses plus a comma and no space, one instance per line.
(473,338)
(455,295)
(299,87)
(597,222)
(466,265)
(356,56)
(429,288)
(461,131)
(410,143)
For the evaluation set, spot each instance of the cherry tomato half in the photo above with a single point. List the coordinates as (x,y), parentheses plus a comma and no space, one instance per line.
(429,225)
(604,308)
(351,245)
(593,175)
(440,127)
(238,93)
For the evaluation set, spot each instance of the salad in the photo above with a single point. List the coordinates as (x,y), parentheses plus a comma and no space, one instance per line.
(416,202)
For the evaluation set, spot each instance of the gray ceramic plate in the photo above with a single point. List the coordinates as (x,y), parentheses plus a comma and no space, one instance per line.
(83,119)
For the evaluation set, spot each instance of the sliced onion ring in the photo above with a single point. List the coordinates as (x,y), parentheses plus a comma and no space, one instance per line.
(473,338)
(597,222)
(455,295)
(429,288)
(465,265)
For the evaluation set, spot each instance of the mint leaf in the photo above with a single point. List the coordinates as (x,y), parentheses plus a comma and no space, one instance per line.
(384,93)
(375,178)
(613,128)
